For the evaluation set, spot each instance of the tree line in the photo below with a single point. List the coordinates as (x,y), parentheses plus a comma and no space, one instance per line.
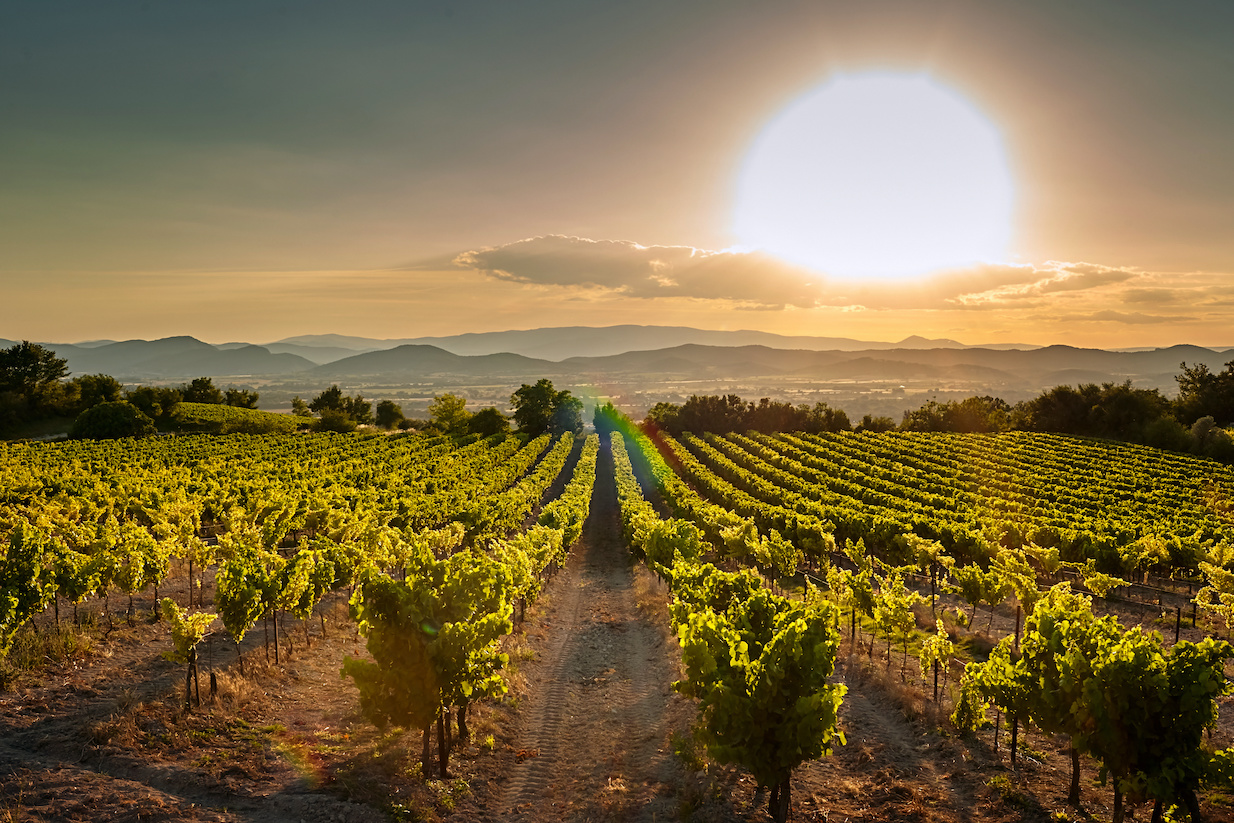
(537,409)
(1192,422)
(34,386)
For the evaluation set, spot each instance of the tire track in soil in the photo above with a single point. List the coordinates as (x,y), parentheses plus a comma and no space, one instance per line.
(596,717)
(889,769)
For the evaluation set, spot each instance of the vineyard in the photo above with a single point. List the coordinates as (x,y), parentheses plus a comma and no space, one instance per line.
(372,626)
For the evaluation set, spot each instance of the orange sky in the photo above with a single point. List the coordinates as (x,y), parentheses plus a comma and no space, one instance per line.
(398,172)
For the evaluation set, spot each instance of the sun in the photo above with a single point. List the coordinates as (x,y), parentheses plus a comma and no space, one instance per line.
(877,176)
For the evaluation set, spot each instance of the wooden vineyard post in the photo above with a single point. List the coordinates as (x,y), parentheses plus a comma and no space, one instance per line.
(1015,733)
(1178,621)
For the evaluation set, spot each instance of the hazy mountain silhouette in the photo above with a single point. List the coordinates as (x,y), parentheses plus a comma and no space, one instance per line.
(915,359)
(585,341)
(176,358)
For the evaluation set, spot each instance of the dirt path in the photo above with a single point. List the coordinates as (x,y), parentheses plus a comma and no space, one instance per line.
(599,709)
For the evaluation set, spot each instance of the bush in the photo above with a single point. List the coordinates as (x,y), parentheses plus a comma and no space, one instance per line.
(111,420)
(216,419)
(334,420)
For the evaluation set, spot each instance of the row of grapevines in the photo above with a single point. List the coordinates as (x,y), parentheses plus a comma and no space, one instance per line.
(435,633)
(757,663)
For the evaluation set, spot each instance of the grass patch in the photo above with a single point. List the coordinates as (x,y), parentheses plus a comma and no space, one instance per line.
(1008,792)
(687,750)
(33,649)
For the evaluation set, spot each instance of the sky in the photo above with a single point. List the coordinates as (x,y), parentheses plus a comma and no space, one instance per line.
(251,170)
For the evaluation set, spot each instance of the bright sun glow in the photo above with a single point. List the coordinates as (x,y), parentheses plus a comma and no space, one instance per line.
(877,176)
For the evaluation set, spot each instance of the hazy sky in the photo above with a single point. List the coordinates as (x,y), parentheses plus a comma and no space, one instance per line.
(241,169)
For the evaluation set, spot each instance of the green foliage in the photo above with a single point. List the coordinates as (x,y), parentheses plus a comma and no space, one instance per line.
(936,650)
(389,414)
(201,390)
(1217,597)
(187,630)
(1202,393)
(758,665)
(541,408)
(448,413)
(72,397)
(156,402)
(973,414)
(241,398)
(334,420)
(978,586)
(247,584)
(433,636)
(26,580)
(229,419)
(893,610)
(569,511)
(111,420)
(28,381)
(355,409)
(488,422)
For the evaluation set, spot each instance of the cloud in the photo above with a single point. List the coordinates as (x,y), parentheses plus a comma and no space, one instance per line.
(1157,296)
(635,270)
(1137,318)
(1051,278)
(752,280)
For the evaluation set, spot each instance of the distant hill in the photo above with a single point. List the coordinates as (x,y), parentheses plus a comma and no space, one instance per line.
(175,358)
(585,341)
(309,362)
(418,362)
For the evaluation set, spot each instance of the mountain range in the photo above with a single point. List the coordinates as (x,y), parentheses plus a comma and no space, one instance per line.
(365,361)
(585,341)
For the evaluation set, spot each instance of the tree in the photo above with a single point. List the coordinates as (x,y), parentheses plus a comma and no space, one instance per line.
(533,406)
(1204,394)
(823,418)
(111,420)
(27,368)
(28,380)
(542,408)
(488,422)
(870,423)
(299,408)
(155,402)
(449,413)
(663,415)
(80,393)
(776,416)
(360,409)
(334,420)
(1110,410)
(567,414)
(356,409)
(972,414)
(331,398)
(389,413)
(241,398)
(202,390)
(712,413)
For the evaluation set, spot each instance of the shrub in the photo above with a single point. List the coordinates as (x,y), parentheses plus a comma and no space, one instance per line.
(111,420)
(334,420)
